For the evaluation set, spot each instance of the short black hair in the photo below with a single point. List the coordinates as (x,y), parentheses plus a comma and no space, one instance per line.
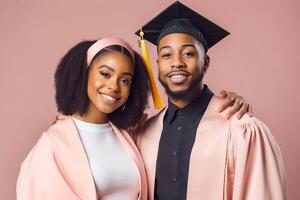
(71,86)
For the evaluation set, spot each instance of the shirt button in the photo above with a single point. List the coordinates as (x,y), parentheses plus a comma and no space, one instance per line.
(179,128)
(175,179)
(179,112)
(175,152)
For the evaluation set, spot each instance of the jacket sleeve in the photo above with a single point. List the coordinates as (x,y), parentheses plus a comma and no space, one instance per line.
(40,177)
(255,162)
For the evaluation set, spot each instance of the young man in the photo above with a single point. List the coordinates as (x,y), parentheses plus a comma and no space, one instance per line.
(190,150)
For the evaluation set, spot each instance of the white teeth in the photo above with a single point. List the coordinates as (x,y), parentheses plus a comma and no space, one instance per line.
(108,99)
(177,76)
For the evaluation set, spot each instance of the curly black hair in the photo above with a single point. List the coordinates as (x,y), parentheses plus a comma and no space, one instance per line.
(71,86)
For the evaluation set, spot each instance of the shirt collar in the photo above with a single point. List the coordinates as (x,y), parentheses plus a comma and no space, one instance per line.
(194,109)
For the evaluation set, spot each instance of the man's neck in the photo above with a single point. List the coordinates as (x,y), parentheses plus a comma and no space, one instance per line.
(183,102)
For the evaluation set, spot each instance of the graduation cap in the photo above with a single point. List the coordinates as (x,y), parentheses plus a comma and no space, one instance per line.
(177,18)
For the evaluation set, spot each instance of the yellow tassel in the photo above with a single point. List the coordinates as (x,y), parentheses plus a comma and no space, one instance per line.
(158,102)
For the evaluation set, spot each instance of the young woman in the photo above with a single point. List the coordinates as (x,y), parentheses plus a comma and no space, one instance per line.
(101,88)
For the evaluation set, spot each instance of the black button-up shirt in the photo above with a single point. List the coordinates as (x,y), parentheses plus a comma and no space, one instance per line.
(176,143)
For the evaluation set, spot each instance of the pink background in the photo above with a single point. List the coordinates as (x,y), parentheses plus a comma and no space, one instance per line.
(259,60)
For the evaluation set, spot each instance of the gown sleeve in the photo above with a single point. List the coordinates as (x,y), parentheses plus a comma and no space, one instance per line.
(255,164)
(40,177)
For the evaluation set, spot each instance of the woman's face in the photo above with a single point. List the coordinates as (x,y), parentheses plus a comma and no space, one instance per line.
(109,80)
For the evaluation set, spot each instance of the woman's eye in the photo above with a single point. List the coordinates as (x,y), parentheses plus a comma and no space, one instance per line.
(126,81)
(105,75)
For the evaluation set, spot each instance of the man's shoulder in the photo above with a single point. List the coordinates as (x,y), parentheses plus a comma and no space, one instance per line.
(151,127)
(251,130)
(155,118)
(247,121)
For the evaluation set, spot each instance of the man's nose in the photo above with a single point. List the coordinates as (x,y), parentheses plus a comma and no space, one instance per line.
(177,62)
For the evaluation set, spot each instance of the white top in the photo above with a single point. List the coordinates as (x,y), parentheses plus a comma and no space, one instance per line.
(115,173)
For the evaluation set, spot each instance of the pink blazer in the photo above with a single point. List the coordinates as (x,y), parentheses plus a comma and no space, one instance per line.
(57,167)
(230,160)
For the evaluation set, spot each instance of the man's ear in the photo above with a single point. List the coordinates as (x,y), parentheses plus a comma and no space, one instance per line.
(206,62)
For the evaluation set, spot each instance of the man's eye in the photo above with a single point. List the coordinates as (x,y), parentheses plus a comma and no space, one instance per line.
(189,54)
(166,55)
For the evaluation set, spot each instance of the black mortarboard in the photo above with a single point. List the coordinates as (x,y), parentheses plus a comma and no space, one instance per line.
(178,18)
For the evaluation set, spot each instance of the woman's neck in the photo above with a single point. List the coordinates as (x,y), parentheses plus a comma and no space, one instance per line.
(92,115)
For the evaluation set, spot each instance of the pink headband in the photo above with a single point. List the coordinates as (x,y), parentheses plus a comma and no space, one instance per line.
(103,43)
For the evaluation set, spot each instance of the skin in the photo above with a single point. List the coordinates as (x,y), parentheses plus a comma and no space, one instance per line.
(176,52)
(109,80)
(182,64)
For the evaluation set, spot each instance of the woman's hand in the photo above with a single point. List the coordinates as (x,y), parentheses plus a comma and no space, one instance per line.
(235,104)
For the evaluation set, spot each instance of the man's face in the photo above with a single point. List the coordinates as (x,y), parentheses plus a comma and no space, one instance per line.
(182,63)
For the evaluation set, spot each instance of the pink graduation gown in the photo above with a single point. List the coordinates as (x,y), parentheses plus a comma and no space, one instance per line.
(230,160)
(57,167)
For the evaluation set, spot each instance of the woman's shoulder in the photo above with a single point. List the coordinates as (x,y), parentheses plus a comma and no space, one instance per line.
(61,130)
